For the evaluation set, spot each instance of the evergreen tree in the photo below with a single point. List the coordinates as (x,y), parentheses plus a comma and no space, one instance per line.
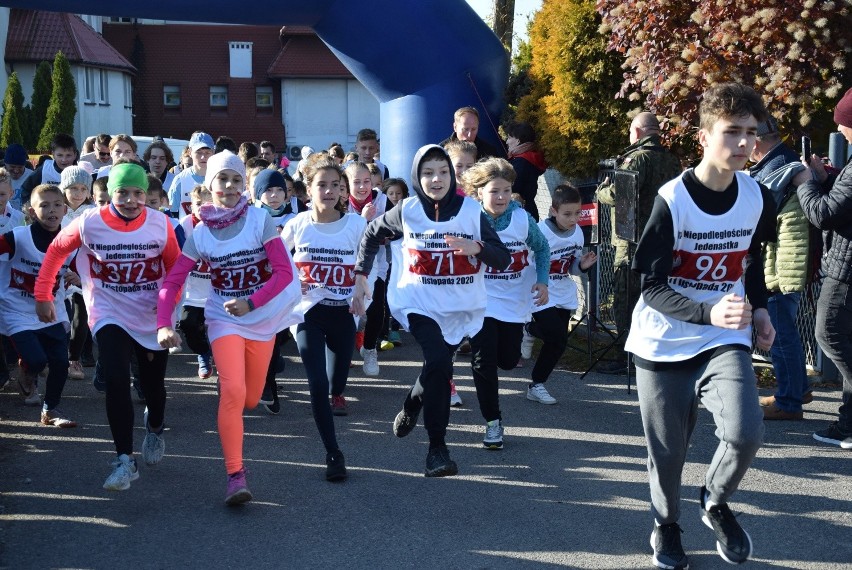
(37,109)
(13,102)
(63,107)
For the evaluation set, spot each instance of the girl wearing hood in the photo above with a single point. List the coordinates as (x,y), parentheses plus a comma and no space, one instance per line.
(251,298)
(442,243)
(512,292)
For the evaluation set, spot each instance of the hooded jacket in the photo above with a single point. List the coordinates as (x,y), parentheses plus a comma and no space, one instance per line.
(389,225)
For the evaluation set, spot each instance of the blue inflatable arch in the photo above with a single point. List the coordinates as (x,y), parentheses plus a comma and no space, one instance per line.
(422,59)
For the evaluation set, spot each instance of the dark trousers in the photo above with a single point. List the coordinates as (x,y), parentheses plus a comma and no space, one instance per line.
(81,338)
(551,326)
(194,328)
(47,346)
(115,346)
(375,316)
(431,391)
(332,327)
(280,340)
(497,345)
(834,335)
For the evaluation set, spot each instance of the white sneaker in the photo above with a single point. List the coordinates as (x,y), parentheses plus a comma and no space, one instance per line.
(176,350)
(455,399)
(527,346)
(493,435)
(125,472)
(538,393)
(154,446)
(371,361)
(34,398)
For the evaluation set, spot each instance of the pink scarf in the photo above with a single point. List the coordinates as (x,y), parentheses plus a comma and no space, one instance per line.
(216,217)
(520,149)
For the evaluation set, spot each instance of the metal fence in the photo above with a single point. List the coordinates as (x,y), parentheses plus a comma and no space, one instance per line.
(605,272)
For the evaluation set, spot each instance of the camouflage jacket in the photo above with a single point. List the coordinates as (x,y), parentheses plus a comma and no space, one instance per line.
(656,165)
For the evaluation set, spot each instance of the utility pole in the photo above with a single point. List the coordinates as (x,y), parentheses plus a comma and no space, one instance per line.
(504,21)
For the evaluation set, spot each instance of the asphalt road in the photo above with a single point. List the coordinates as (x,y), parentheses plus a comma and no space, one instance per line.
(569,489)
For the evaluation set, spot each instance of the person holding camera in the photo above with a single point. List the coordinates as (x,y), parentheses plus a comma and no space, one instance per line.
(655,166)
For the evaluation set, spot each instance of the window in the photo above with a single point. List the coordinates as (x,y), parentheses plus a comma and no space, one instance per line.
(103,87)
(128,92)
(263,97)
(89,95)
(171,96)
(240,57)
(218,96)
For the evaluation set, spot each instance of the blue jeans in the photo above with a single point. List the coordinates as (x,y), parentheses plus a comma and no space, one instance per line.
(47,346)
(834,335)
(788,354)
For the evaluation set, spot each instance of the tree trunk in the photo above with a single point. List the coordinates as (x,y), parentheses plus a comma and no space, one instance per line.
(504,20)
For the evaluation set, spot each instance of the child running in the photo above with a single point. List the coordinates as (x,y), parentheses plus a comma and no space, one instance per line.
(326,241)
(252,297)
(443,241)
(691,331)
(39,344)
(512,292)
(125,251)
(550,320)
(370,204)
(76,184)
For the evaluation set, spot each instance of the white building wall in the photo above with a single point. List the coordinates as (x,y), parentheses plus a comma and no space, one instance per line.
(317,112)
(4,33)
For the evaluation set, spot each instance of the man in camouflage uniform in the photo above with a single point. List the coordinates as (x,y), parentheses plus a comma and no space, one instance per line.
(655,165)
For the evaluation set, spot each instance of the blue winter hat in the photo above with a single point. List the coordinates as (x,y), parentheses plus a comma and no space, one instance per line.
(267,179)
(16,155)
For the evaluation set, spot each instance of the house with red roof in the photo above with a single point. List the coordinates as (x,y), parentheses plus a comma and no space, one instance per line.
(250,83)
(102,75)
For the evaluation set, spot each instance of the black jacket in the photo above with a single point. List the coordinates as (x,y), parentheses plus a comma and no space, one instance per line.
(831,211)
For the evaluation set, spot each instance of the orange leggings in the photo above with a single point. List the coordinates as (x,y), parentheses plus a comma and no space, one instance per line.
(242,366)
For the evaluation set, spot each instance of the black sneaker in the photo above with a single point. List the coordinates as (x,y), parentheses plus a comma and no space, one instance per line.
(834,436)
(267,396)
(668,552)
(439,464)
(403,423)
(732,542)
(335,466)
(275,407)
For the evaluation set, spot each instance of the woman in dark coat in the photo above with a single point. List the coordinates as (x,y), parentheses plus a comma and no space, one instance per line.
(527,161)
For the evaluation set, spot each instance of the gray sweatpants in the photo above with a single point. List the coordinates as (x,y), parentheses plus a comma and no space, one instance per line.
(668,400)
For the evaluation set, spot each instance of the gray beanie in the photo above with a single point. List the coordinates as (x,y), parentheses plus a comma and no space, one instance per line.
(75,175)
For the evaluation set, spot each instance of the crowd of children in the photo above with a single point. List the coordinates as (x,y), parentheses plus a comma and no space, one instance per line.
(236,257)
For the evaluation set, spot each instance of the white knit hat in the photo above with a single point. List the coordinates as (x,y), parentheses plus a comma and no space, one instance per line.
(225,160)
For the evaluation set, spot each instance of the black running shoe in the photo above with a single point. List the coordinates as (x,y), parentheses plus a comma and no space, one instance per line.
(668,552)
(439,464)
(275,407)
(335,466)
(834,436)
(732,542)
(267,398)
(403,423)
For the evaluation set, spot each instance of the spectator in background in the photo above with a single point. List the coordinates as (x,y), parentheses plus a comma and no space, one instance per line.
(367,147)
(99,156)
(466,128)
(180,192)
(224,143)
(528,162)
(830,210)
(120,147)
(19,168)
(267,152)
(786,267)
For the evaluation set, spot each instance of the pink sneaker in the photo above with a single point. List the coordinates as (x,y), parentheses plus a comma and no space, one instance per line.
(238,492)
(455,399)
(338,406)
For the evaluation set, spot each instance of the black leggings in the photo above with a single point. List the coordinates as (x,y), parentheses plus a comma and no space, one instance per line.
(193,326)
(496,345)
(114,348)
(375,316)
(325,342)
(551,326)
(431,391)
(80,335)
